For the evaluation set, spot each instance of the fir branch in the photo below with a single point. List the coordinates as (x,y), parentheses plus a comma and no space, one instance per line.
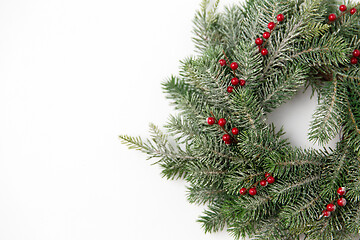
(183,129)
(173,161)
(324,125)
(201,195)
(256,207)
(297,166)
(205,26)
(282,87)
(239,178)
(214,219)
(207,79)
(353,131)
(330,228)
(283,40)
(259,144)
(184,97)
(296,215)
(247,110)
(214,151)
(326,50)
(202,173)
(290,192)
(219,154)
(353,222)
(273,229)
(232,22)
(315,29)
(250,63)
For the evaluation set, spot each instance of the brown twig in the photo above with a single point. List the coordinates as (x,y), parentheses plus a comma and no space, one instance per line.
(343,13)
(231,136)
(228,62)
(264,44)
(226,57)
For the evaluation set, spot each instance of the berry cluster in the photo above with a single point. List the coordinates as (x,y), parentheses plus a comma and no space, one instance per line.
(252,190)
(227,138)
(343,10)
(266,35)
(235,81)
(356,54)
(341,202)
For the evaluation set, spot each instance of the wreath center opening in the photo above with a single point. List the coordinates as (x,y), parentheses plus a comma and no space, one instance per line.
(295,116)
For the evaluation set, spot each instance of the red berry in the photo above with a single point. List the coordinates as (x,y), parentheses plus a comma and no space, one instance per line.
(354,60)
(280,17)
(266,35)
(258,41)
(332,17)
(330,207)
(342,8)
(356,53)
(230,89)
(263,183)
(270,179)
(222,62)
(228,142)
(341,191)
(235,81)
(242,82)
(341,202)
(211,120)
(226,138)
(242,191)
(264,52)
(267,174)
(222,122)
(234,66)
(271,25)
(353,11)
(326,213)
(235,131)
(252,191)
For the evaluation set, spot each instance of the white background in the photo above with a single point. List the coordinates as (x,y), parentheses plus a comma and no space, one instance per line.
(75,74)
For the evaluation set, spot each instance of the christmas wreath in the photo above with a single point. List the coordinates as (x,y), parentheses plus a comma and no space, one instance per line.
(251,59)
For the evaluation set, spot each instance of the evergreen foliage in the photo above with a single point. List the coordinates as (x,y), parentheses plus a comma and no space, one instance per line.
(304,50)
